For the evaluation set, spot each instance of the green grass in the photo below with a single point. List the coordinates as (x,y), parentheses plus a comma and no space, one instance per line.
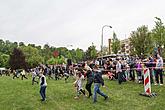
(21,95)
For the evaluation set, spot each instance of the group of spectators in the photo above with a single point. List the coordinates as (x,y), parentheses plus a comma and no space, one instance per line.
(131,68)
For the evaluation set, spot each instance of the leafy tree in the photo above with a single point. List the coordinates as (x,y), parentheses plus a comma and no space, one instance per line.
(52,61)
(141,42)
(123,48)
(4,60)
(91,53)
(68,55)
(32,45)
(21,44)
(57,60)
(17,59)
(46,53)
(158,34)
(79,54)
(33,58)
(2,46)
(115,44)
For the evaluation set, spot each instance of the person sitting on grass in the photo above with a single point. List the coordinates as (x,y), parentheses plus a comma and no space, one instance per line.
(43,86)
(79,84)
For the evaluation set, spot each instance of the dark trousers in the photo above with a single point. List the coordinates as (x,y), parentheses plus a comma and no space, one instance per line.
(159,74)
(151,76)
(33,80)
(132,75)
(56,76)
(66,77)
(88,88)
(43,92)
(15,76)
(23,76)
(139,75)
(120,75)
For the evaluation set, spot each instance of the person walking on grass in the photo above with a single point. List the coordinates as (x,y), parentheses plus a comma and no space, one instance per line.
(34,76)
(15,73)
(79,84)
(43,86)
(23,75)
(88,71)
(98,81)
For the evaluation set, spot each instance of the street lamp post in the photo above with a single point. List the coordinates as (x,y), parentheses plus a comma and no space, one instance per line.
(102,38)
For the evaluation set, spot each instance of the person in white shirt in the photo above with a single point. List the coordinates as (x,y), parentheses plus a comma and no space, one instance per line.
(119,71)
(79,84)
(34,74)
(43,86)
(23,74)
(159,70)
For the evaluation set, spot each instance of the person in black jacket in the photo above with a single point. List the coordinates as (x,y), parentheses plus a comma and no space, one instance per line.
(89,82)
(98,81)
(88,73)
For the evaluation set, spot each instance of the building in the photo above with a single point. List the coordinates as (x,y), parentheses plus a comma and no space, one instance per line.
(125,46)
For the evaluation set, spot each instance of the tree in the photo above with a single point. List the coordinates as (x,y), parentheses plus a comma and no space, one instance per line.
(46,53)
(21,44)
(32,56)
(91,53)
(57,60)
(4,60)
(17,59)
(158,33)
(140,41)
(115,44)
(123,48)
(79,54)
(51,61)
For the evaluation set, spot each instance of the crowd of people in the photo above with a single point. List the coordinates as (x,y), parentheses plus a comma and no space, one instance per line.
(121,69)
(131,68)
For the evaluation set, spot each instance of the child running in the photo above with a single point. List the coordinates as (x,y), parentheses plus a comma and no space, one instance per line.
(79,84)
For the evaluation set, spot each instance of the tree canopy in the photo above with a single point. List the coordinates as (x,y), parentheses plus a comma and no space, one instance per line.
(115,43)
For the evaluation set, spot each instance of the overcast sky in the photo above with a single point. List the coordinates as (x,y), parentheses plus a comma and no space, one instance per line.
(75,22)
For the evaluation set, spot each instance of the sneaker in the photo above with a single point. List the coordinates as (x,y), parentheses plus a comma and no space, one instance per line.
(89,95)
(106,97)
(155,84)
(76,97)
(42,100)
(161,84)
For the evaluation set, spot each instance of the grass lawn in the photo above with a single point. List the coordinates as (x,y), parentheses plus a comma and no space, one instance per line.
(21,95)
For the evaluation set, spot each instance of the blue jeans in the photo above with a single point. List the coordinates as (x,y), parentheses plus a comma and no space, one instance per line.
(97,90)
(42,92)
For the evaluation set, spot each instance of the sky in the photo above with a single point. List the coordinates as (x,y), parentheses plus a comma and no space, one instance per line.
(61,23)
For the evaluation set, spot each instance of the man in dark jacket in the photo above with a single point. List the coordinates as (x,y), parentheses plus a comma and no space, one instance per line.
(98,81)
(89,82)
